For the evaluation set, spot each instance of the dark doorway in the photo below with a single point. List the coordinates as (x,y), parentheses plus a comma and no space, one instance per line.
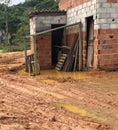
(90,41)
(57,37)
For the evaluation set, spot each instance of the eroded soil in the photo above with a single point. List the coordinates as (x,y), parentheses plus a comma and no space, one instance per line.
(54,100)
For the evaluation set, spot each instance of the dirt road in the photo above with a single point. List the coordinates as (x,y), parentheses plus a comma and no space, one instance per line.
(61,102)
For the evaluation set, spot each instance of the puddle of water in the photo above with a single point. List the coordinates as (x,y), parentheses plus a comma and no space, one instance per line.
(77,110)
(22,72)
(51,82)
(58,74)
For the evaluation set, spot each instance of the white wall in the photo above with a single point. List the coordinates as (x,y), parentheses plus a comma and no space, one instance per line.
(79,13)
(32,25)
(105,14)
(40,23)
(44,22)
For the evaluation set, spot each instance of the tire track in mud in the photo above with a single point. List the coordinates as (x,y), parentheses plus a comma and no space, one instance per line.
(34,104)
(9,98)
(61,92)
(34,92)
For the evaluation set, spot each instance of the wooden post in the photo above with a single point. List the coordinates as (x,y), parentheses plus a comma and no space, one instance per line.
(80,46)
(25,50)
(76,55)
(64,37)
(36,63)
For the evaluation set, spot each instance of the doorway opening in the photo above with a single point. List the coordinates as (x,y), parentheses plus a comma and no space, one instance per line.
(57,39)
(90,41)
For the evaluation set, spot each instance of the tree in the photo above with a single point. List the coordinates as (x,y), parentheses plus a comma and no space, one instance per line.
(27,0)
(6,3)
(14,19)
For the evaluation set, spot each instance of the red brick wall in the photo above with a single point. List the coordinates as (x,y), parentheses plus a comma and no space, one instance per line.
(107,48)
(44,51)
(111,1)
(67,4)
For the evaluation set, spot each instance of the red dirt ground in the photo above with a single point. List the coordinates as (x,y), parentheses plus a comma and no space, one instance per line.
(56,100)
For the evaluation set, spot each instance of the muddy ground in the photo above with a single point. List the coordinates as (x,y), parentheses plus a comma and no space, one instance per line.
(54,100)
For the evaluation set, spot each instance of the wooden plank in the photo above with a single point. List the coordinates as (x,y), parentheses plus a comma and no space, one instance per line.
(57,68)
(25,50)
(64,37)
(61,61)
(76,58)
(90,52)
(50,30)
(36,63)
(63,47)
(80,46)
(71,56)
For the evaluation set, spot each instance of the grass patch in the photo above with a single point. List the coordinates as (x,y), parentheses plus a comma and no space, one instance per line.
(2,51)
(13,48)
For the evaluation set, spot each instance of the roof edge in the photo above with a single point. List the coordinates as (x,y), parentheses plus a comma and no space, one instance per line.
(46,12)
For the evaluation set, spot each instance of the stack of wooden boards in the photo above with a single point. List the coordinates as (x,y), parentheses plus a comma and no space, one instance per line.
(61,62)
(69,62)
(30,63)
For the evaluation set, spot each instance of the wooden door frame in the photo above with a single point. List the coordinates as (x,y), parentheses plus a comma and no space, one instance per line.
(89,48)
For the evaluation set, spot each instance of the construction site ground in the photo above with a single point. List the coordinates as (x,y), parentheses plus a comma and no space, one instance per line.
(56,100)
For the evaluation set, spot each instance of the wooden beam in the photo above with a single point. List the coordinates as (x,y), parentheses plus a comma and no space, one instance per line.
(50,30)
(64,37)
(36,62)
(63,47)
(25,50)
(80,46)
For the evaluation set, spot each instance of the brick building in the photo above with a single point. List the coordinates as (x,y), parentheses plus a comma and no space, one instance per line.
(46,20)
(99,20)
(100,30)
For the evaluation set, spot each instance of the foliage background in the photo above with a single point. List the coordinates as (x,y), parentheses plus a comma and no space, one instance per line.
(18,20)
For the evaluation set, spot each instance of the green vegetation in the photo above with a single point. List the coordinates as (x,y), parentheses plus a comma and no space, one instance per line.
(3,51)
(18,21)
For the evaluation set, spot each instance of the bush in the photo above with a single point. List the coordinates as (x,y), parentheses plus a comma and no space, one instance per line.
(14,47)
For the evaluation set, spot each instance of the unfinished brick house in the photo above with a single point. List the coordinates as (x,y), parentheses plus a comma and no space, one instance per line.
(45,20)
(101,16)
(99,20)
